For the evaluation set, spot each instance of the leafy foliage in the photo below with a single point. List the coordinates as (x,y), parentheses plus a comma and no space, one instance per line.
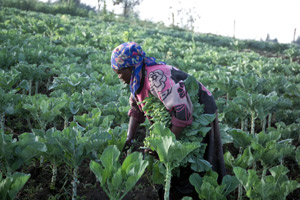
(170,151)
(116,179)
(274,186)
(12,184)
(208,188)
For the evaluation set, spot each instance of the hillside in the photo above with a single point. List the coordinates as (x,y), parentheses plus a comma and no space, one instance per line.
(61,104)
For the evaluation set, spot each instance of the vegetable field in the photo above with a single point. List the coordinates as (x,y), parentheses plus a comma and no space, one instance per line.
(63,111)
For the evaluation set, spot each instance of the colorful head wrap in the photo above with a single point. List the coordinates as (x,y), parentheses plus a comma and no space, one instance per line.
(130,54)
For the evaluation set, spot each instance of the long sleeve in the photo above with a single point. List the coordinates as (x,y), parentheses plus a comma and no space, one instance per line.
(135,112)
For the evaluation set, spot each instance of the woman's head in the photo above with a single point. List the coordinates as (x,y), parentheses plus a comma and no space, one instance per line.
(126,59)
(124,74)
(129,59)
(127,55)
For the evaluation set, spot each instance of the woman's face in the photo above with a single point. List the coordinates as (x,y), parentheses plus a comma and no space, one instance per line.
(124,74)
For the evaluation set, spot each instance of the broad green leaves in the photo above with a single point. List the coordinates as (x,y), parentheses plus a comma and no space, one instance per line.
(14,154)
(208,188)
(43,109)
(268,148)
(118,179)
(274,186)
(12,184)
(171,152)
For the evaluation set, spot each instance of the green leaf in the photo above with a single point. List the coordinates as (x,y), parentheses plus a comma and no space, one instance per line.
(200,165)
(157,174)
(28,147)
(278,170)
(244,160)
(12,184)
(24,85)
(131,158)
(163,147)
(73,109)
(241,175)
(97,169)
(160,130)
(196,180)
(187,198)
(240,138)
(206,119)
(263,138)
(117,179)
(109,157)
(19,180)
(9,109)
(230,182)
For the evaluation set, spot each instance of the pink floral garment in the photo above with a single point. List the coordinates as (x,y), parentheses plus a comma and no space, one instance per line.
(166,83)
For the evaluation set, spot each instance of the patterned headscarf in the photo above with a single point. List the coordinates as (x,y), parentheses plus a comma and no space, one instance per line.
(130,54)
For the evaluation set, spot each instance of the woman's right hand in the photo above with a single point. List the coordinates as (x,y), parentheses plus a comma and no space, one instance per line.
(132,126)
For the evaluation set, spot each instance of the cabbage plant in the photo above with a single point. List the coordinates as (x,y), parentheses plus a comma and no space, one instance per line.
(170,151)
(118,179)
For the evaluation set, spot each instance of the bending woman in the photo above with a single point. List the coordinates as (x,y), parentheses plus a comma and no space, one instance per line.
(145,75)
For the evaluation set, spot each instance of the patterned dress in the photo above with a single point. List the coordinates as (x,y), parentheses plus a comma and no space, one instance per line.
(167,83)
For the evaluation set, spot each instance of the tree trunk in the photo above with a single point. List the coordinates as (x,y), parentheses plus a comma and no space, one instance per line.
(126,8)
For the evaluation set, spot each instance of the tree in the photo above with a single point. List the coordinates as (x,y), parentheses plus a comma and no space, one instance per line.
(298,40)
(268,39)
(128,5)
(186,16)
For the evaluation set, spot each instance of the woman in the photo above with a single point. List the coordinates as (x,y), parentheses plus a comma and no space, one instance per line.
(145,75)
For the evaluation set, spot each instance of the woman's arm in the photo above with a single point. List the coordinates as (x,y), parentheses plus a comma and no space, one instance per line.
(132,127)
(176,130)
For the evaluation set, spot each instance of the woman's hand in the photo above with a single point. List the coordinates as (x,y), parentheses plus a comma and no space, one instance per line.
(132,126)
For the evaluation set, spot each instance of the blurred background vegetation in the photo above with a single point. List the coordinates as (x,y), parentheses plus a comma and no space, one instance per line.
(129,11)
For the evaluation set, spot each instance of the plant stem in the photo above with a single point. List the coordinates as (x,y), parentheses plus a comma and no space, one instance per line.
(227,98)
(240,187)
(29,123)
(54,175)
(269,120)
(264,173)
(252,122)
(242,125)
(74,183)
(2,121)
(167,181)
(264,123)
(66,121)
(246,124)
(41,161)
(36,87)
(240,192)
(48,83)
(30,86)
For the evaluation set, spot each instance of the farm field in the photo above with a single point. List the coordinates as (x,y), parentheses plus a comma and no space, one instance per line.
(63,111)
